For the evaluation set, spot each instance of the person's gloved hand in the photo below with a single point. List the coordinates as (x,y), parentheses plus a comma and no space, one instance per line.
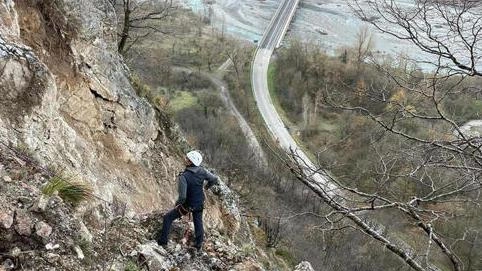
(216,190)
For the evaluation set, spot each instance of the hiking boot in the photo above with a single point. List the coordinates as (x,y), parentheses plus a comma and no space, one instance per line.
(196,251)
(164,245)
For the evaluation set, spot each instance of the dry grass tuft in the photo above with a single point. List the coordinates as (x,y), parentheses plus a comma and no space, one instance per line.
(70,191)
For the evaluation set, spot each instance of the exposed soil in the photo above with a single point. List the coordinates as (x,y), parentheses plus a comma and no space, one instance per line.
(45,28)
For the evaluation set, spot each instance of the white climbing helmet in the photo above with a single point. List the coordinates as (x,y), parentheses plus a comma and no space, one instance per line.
(195,157)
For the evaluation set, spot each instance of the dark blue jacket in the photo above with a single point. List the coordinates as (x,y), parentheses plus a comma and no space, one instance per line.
(191,184)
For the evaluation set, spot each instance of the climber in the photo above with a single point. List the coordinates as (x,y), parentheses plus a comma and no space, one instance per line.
(191,198)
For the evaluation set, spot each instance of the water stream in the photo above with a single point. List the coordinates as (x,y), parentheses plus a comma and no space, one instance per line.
(327,23)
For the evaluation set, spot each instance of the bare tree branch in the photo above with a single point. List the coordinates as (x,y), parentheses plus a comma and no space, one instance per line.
(140,19)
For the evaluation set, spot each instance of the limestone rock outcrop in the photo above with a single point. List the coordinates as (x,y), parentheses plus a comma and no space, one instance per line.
(67,98)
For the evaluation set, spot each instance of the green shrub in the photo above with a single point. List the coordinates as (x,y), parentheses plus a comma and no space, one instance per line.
(72,192)
(24,150)
(131,266)
(88,251)
(287,256)
(140,87)
(248,250)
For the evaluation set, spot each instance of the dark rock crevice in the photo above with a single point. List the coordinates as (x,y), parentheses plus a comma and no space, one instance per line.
(98,96)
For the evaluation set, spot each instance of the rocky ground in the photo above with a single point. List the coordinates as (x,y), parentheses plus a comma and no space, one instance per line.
(40,232)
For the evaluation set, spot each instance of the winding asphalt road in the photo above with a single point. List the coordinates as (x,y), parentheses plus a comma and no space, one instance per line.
(259,79)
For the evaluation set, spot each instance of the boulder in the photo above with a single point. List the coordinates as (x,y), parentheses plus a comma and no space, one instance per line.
(79,252)
(54,201)
(85,233)
(7,264)
(304,266)
(43,229)
(23,223)
(6,219)
(155,257)
(51,246)
(15,252)
(41,204)
(7,179)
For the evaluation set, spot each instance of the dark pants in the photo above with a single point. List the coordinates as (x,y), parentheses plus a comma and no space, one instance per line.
(173,215)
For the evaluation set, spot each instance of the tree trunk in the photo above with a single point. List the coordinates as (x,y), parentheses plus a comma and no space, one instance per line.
(125,28)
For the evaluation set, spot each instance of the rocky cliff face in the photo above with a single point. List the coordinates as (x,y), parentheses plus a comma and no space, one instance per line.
(67,98)
(67,103)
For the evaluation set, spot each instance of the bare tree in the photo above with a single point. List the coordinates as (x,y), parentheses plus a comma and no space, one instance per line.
(355,208)
(448,30)
(273,228)
(438,165)
(363,46)
(239,56)
(139,19)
